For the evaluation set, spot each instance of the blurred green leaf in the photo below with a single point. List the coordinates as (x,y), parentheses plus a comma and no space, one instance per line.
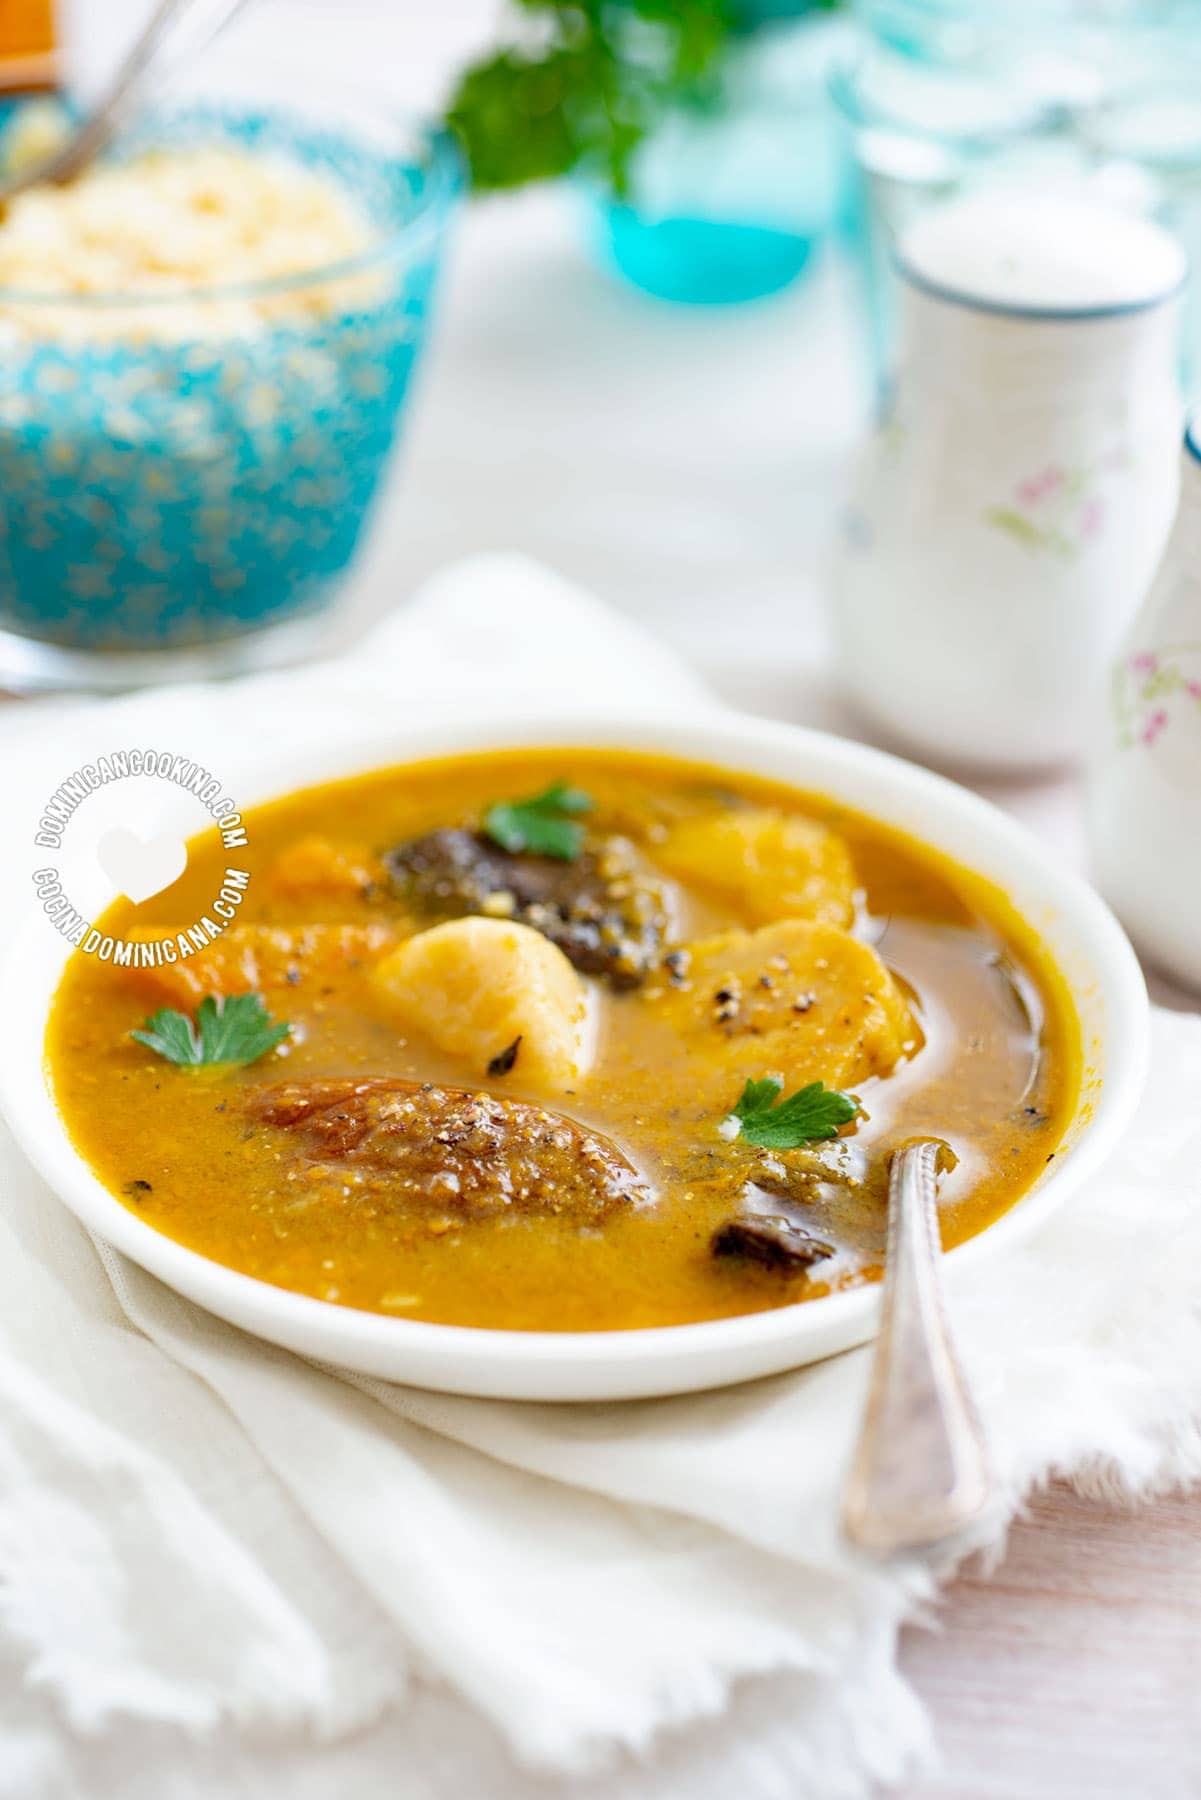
(592,82)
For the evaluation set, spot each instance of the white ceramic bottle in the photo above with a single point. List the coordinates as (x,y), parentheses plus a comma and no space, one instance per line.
(1010,510)
(1145,780)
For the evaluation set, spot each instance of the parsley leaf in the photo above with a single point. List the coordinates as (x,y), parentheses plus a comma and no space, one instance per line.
(542,824)
(583,84)
(233,1029)
(172,1035)
(807,1117)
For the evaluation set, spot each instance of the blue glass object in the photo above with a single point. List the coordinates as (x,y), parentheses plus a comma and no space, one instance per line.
(728,199)
(705,262)
(160,494)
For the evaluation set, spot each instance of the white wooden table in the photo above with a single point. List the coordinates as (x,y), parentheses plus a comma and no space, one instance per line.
(1071,1672)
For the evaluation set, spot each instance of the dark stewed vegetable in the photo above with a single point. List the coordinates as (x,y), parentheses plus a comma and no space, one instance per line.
(772,1239)
(605,910)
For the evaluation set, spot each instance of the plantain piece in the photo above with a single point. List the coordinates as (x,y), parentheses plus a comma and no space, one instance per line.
(799,1001)
(770,865)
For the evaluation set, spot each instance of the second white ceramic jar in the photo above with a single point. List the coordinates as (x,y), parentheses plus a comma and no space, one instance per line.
(1145,779)
(1010,510)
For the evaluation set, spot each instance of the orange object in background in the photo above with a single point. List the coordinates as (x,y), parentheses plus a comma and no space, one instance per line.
(28,44)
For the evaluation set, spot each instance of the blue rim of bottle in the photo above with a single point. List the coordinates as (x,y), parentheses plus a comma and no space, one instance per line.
(1192,434)
(1066,315)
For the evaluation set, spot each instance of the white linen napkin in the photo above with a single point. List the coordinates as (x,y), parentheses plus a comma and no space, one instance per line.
(202,1535)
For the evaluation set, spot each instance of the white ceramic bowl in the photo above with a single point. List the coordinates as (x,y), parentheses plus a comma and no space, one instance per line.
(1081,934)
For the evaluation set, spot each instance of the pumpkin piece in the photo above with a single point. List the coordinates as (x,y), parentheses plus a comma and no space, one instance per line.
(259,959)
(315,867)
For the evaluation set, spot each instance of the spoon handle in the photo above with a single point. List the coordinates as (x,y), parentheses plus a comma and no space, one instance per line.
(149,55)
(921,1470)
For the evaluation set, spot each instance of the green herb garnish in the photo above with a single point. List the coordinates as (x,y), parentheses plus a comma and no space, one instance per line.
(587,83)
(543,824)
(233,1029)
(810,1115)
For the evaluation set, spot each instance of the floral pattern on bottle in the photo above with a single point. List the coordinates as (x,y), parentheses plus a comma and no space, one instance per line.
(1154,688)
(1057,511)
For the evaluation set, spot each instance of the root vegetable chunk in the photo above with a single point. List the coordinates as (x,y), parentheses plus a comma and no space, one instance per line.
(475,986)
(315,868)
(808,1001)
(773,865)
(261,959)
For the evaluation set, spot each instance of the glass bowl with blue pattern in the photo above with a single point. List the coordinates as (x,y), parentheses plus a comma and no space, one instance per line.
(176,504)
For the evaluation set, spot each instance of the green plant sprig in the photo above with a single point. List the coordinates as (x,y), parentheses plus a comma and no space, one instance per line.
(227,1030)
(545,824)
(597,80)
(811,1115)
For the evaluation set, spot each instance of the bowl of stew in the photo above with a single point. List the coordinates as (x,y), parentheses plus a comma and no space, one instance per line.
(564,1060)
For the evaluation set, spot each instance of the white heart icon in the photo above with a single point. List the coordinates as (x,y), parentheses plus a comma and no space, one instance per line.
(138,867)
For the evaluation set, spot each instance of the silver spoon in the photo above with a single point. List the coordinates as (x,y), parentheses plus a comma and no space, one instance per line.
(921,1471)
(175,28)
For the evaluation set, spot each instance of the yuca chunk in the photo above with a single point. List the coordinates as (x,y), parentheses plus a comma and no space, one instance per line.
(809,1001)
(261,959)
(476,986)
(452,1154)
(771,865)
